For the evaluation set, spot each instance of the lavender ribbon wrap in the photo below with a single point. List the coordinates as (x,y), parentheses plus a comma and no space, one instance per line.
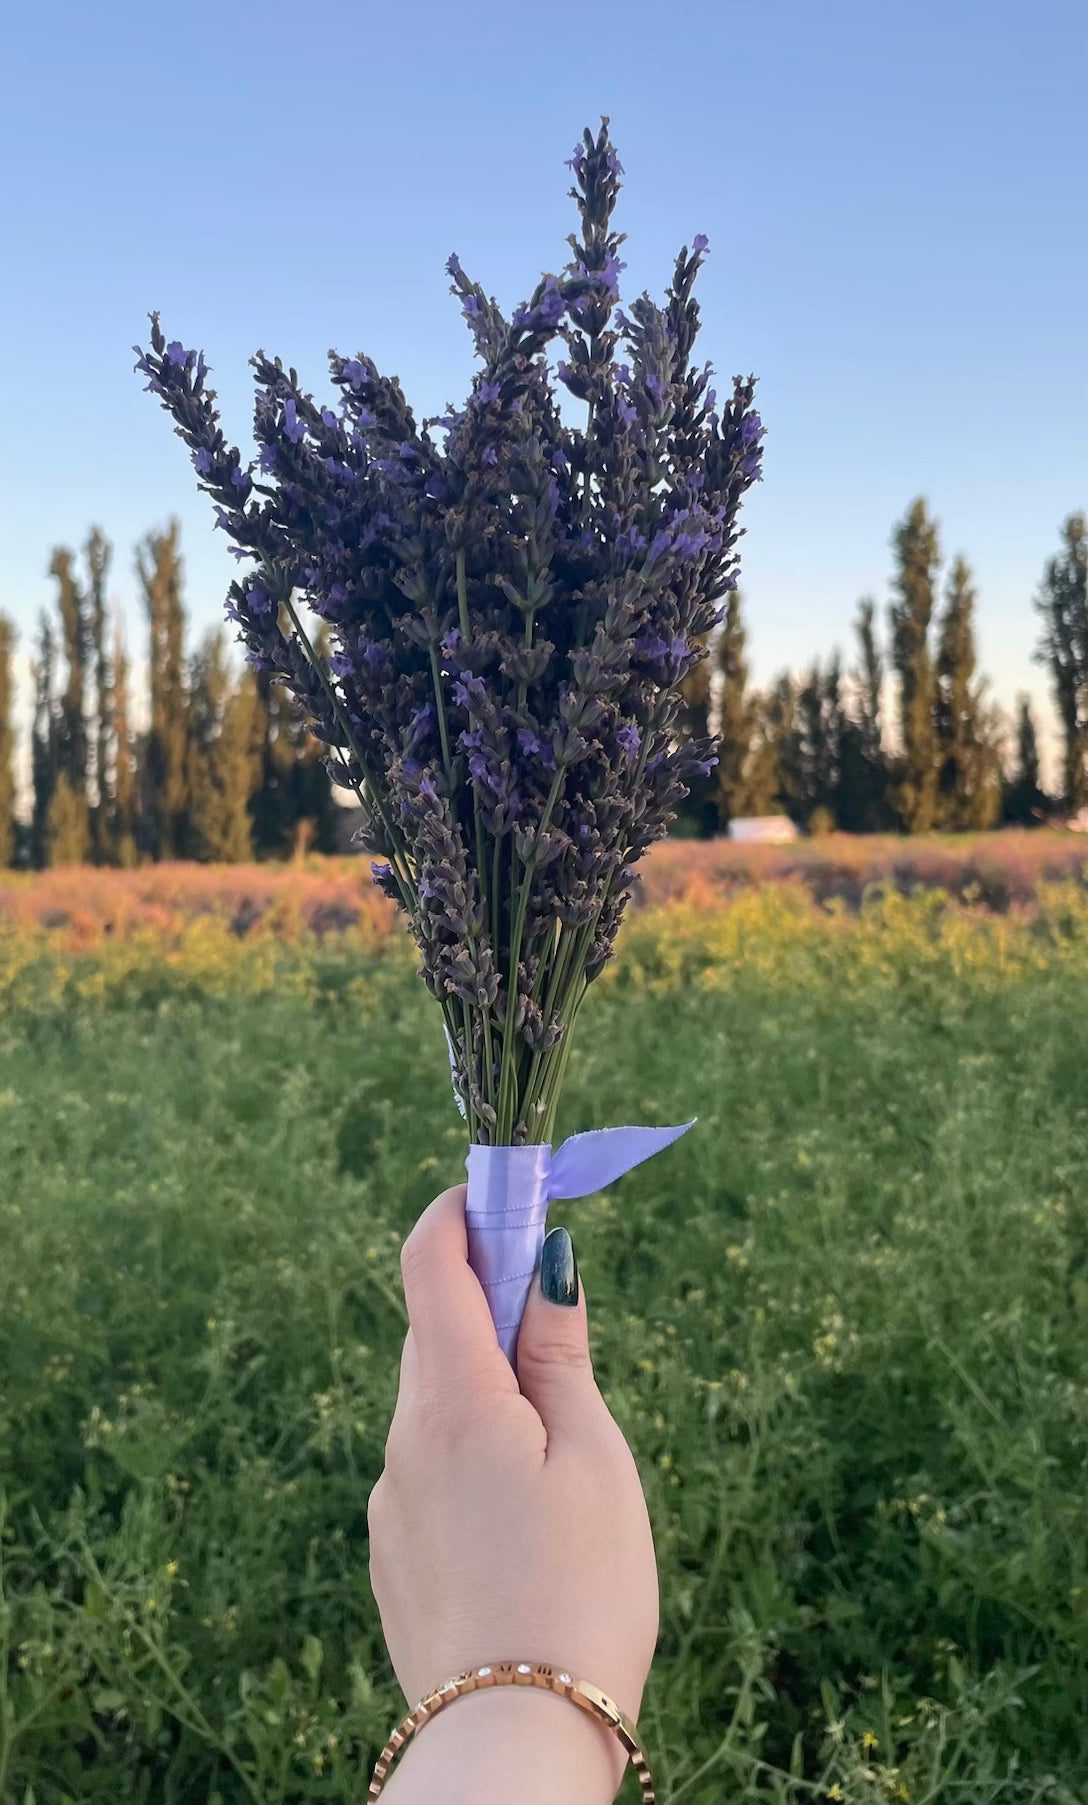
(509,1189)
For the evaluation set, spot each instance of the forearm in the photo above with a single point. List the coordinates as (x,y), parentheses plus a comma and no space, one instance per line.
(508,1745)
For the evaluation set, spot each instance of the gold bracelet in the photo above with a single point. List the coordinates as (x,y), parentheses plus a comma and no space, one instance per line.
(518,1673)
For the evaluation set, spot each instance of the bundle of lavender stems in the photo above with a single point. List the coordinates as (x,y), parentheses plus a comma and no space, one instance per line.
(511,605)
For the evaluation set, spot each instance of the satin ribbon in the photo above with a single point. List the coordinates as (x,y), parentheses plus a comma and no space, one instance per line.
(509,1189)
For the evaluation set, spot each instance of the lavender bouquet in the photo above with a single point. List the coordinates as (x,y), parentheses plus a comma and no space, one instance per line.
(511,608)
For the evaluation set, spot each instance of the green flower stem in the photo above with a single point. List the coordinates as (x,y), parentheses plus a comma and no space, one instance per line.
(481,861)
(507,1109)
(447,762)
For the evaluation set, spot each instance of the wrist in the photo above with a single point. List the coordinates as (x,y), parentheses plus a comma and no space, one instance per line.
(509,1745)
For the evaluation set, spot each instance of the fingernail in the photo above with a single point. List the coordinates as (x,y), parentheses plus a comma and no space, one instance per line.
(558,1268)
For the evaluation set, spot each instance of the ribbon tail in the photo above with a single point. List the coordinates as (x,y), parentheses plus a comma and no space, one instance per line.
(588,1162)
(506,1210)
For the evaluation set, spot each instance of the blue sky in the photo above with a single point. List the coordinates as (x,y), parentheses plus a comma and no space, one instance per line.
(894,196)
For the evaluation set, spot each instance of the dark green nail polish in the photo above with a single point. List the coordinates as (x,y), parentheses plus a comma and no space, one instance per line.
(559,1268)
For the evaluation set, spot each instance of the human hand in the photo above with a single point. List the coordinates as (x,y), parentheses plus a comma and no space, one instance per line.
(509,1522)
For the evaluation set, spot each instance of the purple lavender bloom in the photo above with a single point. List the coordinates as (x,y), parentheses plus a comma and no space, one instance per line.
(293,428)
(420,725)
(576,159)
(402,542)
(650,643)
(223,519)
(629,541)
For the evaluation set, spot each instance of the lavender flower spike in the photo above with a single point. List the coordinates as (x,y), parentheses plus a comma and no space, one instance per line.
(487,619)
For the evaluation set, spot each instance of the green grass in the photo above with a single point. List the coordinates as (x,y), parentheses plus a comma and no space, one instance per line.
(842,1324)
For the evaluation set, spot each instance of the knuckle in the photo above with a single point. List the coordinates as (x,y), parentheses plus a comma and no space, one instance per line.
(556,1355)
(412,1255)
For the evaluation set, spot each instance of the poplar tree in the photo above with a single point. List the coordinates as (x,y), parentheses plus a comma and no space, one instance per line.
(734,716)
(123,824)
(224,755)
(1024,803)
(68,825)
(7,743)
(968,766)
(916,547)
(767,783)
(44,739)
(812,749)
(99,553)
(164,777)
(698,811)
(864,777)
(1062,603)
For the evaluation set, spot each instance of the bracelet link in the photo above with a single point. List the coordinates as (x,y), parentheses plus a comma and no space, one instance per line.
(587,1697)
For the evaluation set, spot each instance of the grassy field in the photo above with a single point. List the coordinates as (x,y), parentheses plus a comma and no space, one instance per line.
(842,1323)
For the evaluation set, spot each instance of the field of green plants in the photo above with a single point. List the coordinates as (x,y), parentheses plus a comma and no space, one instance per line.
(843,1324)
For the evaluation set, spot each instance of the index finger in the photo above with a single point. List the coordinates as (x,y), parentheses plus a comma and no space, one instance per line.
(456,1347)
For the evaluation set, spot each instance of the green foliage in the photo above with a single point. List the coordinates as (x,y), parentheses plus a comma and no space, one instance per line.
(7,743)
(968,733)
(915,542)
(841,1323)
(44,755)
(123,813)
(225,728)
(67,839)
(1024,802)
(1063,605)
(165,800)
(98,554)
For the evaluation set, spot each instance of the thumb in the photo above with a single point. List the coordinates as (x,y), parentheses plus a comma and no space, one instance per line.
(554,1368)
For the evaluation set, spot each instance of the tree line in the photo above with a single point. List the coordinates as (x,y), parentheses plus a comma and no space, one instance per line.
(815,747)
(226,769)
